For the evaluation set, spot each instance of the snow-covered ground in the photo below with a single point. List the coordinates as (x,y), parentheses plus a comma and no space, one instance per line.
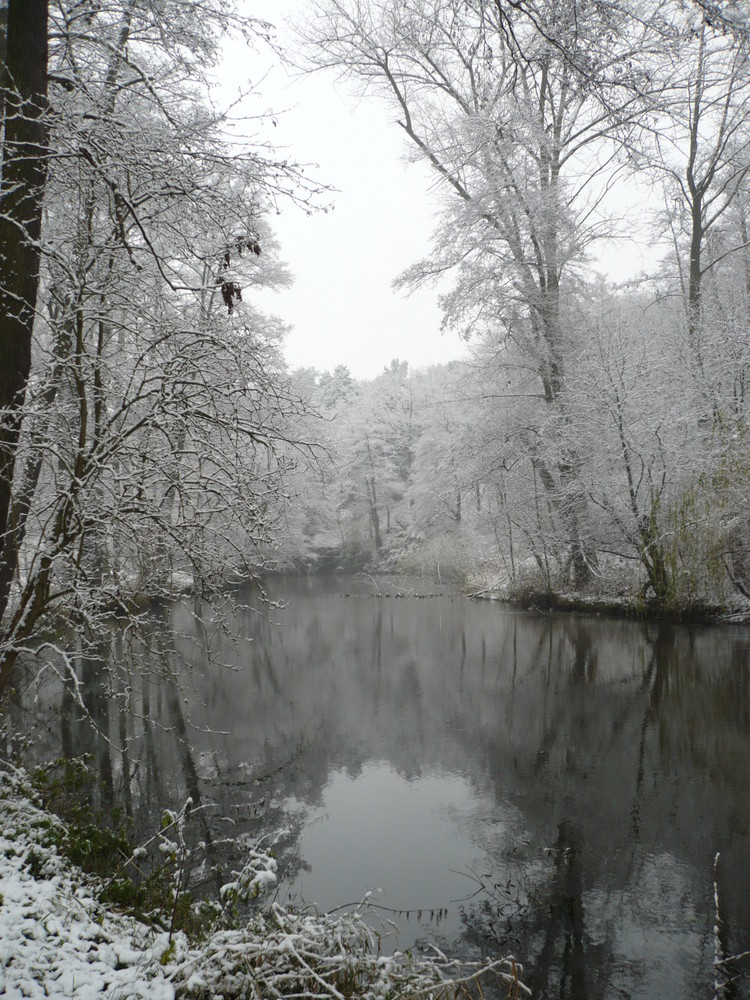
(57,940)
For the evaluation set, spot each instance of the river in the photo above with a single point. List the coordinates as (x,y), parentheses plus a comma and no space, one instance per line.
(499,781)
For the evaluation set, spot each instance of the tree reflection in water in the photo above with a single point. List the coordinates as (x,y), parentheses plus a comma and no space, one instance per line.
(612,754)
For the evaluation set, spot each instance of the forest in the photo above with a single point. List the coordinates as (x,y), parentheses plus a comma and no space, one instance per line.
(158,453)
(153,438)
(596,440)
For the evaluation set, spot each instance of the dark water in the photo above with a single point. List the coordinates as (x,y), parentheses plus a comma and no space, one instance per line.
(557,787)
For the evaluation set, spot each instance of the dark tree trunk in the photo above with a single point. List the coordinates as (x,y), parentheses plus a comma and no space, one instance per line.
(24,170)
(372,500)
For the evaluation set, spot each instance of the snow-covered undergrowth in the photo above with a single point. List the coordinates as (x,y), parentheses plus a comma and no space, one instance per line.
(58,940)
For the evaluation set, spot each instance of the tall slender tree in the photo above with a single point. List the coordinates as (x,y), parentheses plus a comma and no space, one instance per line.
(23,171)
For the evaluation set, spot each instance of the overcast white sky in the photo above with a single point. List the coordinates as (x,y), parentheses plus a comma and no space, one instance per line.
(342,307)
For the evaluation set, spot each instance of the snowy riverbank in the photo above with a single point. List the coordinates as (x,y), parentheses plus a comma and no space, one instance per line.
(57,940)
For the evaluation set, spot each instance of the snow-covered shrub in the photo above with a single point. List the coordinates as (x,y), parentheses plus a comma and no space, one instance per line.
(291,953)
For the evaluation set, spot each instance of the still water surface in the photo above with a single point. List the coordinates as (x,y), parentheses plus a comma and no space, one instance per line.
(500,781)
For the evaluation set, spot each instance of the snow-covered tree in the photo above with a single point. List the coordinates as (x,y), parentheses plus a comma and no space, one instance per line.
(23,166)
(523,112)
(157,416)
